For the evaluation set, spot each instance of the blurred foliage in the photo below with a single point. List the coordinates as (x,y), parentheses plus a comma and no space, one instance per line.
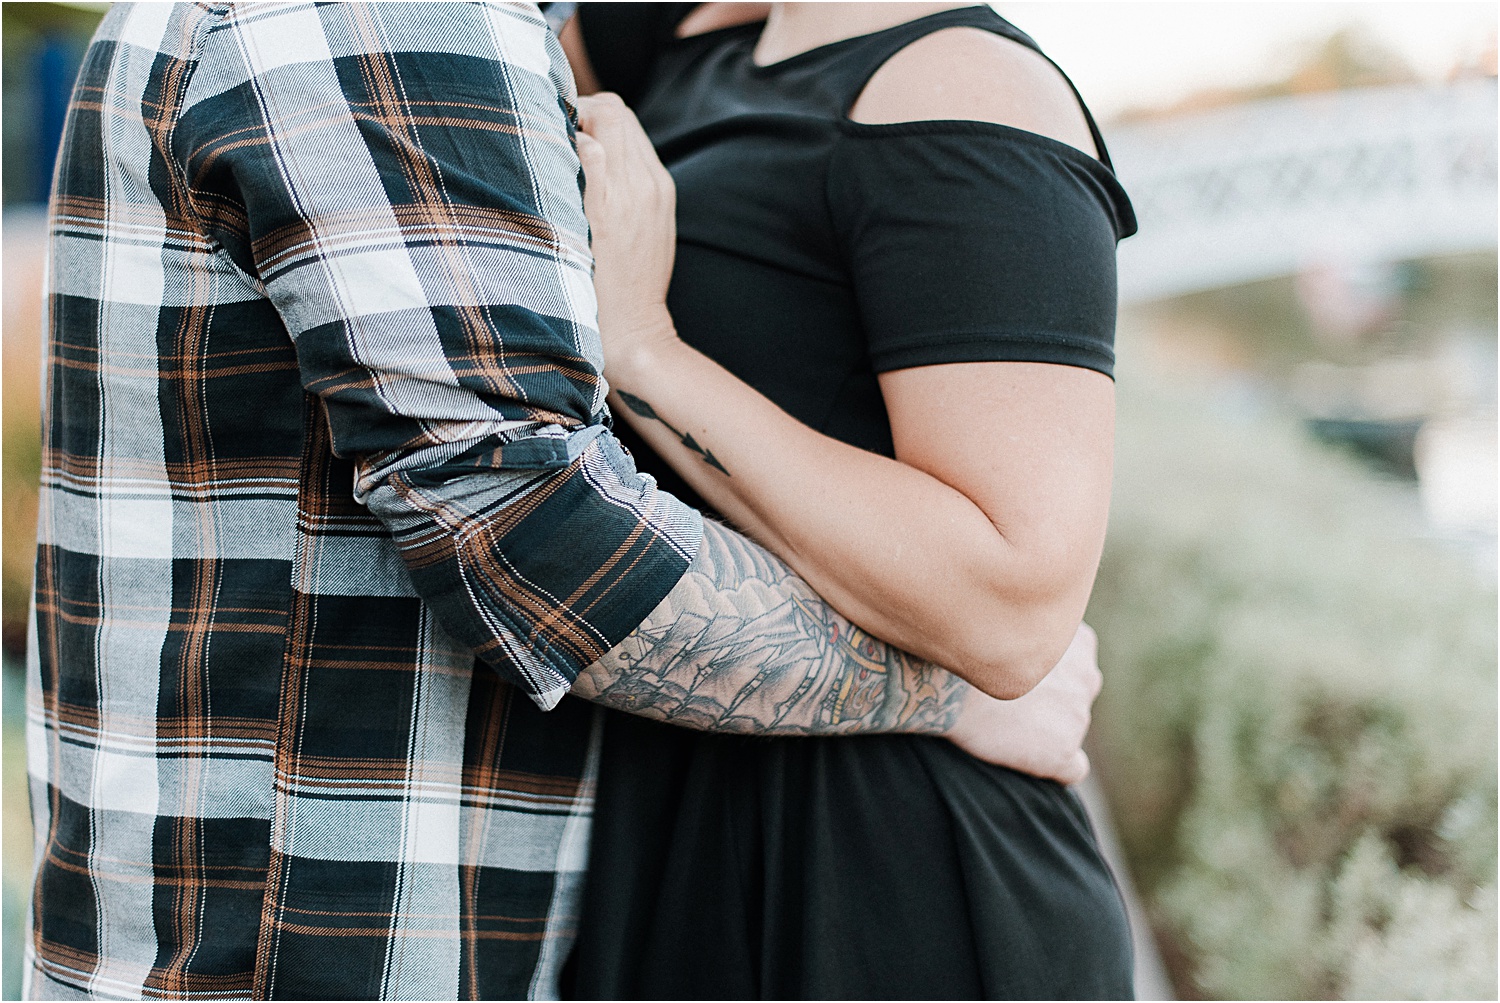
(20,461)
(1297,733)
(42,44)
(20,412)
(1265,328)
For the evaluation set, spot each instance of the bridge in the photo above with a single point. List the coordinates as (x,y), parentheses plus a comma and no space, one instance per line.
(1269,187)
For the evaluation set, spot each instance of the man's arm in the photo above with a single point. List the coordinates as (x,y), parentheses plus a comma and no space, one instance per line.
(398,180)
(742,644)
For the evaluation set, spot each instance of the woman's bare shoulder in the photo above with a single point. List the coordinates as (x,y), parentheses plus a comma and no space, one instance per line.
(976,75)
(708,17)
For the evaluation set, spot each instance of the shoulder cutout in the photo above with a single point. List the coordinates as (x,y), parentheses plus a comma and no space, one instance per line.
(974,75)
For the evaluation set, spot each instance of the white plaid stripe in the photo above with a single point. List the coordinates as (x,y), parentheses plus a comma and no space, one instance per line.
(135,533)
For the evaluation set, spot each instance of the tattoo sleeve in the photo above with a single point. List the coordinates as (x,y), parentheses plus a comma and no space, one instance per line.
(742,644)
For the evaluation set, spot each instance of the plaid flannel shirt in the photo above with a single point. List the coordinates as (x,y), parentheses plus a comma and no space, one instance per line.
(325,422)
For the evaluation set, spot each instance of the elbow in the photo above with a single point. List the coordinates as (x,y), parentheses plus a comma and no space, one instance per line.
(1008,671)
(1007,661)
(1015,630)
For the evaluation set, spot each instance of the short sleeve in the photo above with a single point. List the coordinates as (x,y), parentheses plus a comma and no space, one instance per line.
(975,242)
(624,40)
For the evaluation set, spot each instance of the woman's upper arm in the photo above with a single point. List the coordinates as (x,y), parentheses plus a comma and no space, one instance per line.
(1031,444)
(973,74)
(995,354)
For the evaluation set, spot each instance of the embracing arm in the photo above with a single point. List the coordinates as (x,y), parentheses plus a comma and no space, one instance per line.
(742,644)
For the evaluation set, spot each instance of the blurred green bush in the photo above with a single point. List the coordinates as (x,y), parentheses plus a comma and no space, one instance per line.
(1297,730)
(20,418)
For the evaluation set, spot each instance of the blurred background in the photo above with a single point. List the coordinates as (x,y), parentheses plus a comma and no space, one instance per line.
(1297,605)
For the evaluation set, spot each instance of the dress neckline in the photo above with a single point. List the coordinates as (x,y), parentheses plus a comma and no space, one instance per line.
(751,30)
(798,57)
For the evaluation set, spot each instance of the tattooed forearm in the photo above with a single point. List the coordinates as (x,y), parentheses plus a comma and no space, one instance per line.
(742,644)
(648,412)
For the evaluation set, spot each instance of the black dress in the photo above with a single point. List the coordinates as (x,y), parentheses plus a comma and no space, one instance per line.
(814,253)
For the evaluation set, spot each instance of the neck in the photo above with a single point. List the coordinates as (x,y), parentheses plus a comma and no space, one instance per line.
(792,28)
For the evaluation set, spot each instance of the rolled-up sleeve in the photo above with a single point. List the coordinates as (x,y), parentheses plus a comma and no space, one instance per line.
(400,181)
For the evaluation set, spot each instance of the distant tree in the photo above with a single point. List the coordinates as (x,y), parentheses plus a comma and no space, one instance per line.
(1350,57)
(1347,58)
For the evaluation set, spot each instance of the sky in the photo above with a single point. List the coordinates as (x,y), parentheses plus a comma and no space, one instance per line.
(1141,54)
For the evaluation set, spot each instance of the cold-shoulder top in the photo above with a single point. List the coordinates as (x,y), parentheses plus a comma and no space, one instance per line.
(814,253)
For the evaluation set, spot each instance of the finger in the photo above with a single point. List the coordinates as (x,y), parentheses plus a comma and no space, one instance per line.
(1078,768)
(1087,632)
(607,119)
(630,165)
(585,109)
(610,120)
(590,150)
(637,149)
(593,158)
(595,108)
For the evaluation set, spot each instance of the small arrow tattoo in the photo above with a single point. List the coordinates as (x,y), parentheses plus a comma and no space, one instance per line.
(645,410)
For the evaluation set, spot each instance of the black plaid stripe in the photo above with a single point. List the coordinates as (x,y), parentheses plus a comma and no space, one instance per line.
(323,422)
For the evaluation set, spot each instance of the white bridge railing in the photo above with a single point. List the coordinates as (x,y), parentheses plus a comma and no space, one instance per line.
(1267,188)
